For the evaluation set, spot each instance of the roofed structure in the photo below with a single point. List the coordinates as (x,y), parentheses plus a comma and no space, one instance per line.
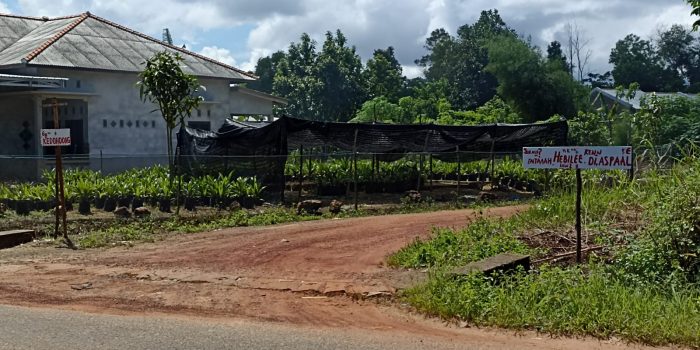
(87,41)
(635,103)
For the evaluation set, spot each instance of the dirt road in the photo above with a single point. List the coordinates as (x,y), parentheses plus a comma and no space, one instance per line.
(303,274)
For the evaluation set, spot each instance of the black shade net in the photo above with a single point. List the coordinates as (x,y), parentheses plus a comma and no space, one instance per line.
(261,150)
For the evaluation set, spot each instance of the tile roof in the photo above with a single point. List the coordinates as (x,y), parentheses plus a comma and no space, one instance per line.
(91,42)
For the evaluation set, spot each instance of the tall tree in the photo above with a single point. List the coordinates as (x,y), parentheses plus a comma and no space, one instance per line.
(265,69)
(555,55)
(383,75)
(460,60)
(296,80)
(535,88)
(339,69)
(676,50)
(579,53)
(635,60)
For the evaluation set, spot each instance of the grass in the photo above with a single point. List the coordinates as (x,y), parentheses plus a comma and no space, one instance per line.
(481,239)
(96,234)
(647,290)
(566,302)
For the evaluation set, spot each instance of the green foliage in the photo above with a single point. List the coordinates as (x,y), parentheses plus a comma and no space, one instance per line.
(537,88)
(636,60)
(164,83)
(446,247)
(460,60)
(669,248)
(667,120)
(566,302)
(324,85)
(696,11)
(265,70)
(383,75)
(379,110)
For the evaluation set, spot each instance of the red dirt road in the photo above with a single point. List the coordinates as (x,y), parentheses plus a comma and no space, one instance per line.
(302,274)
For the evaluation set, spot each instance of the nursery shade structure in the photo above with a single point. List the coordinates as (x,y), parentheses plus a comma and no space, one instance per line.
(261,150)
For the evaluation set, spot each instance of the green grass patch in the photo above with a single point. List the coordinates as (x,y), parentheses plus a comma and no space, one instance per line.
(481,239)
(566,302)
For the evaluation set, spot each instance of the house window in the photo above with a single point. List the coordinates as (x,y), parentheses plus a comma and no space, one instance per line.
(77,84)
(200,125)
(209,113)
(199,113)
(104,123)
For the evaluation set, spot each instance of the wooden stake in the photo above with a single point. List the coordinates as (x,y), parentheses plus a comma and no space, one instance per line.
(354,166)
(431,172)
(579,185)
(301,170)
(459,173)
(493,159)
(60,187)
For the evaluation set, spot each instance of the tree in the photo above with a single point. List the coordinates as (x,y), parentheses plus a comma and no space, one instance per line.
(534,88)
(680,54)
(324,85)
(378,110)
(383,75)
(460,60)
(296,80)
(339,69)
(265,69)
(577,46)
(635,60)
(164,83)
(603,81)
(556,56)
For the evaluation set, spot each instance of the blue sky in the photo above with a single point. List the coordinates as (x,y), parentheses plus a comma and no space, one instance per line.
(239,32)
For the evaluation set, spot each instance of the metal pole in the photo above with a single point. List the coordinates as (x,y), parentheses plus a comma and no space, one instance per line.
(301,169)
(354,167)
(459,173)
(579,184)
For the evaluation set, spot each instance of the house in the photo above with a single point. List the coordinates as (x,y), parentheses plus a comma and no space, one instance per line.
(609,97)
(90,66)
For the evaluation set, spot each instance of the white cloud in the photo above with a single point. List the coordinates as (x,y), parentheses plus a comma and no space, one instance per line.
(219,54)
(4,8)
(371,24)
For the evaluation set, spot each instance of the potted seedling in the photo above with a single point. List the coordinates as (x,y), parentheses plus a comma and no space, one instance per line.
(83,191)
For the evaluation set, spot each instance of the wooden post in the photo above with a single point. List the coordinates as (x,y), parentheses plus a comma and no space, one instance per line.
(459,173)
(354,164)
(493,159)
(579,184)
(301,170)
(431,172)
(60,186)
(421,161)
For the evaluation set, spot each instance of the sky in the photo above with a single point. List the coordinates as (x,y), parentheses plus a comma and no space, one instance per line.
(239,32)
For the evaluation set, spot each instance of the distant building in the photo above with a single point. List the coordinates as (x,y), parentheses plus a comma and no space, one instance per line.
(91,65)
(608,97)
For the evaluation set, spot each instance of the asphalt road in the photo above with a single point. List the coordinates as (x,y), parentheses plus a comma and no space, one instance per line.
(25,328)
